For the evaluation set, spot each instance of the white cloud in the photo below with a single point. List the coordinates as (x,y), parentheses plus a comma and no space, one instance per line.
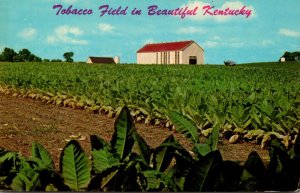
(66,34)
(28,33)
(190,30)
(235,5)
(149,41)
(69,1)
(289,33)
(216,38)
(105,27)
(217,41)
(210,44)
(234,43)
(2,47)
(267,43)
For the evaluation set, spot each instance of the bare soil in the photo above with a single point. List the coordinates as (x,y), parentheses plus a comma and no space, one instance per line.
(24,120)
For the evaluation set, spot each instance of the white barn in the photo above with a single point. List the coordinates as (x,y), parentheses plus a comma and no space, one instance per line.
(184,52)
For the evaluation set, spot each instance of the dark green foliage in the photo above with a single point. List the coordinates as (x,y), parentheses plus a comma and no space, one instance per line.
(283,171)
(291,56)
(123,140)
(42,155)
(75,167)
(163,155)
(24,55)
(255,96)
(205,173)
(117,166)
(8,55)
(68,56)
(56,60)
(185,126)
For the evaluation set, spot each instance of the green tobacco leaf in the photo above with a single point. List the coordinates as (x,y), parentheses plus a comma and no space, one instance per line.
(153,180)
(103,160)
(38,151)
(297,146)
(75,167)
(255,165)
(157,181)
(143,148)
(205,173)
(98,143)
(231,172)
(164,154)
(184,126)
(26,180)
(248,182)
(122,140)
(103,180)
(213,139)
(202,149)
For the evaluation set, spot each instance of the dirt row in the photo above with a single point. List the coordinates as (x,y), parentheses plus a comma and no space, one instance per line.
(24,120)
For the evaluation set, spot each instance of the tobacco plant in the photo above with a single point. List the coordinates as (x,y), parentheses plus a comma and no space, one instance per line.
(127,163)
(242,99)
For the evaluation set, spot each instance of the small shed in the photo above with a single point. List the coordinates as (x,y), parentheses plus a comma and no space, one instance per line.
(282,59)
(103,60)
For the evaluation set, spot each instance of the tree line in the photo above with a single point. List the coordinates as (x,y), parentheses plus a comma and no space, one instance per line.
(291,56)
(24,55)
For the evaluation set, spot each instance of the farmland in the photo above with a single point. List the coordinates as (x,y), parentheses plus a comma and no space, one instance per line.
(254,101)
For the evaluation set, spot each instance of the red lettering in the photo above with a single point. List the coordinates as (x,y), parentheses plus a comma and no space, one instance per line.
(207,9)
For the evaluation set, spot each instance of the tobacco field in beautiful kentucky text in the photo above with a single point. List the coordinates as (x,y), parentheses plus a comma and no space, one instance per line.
(215,112)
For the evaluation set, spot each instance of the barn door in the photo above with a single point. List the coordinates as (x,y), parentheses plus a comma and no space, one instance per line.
(193,60)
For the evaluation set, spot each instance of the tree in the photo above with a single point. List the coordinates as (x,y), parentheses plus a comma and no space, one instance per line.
(56,60)
(25,55)
(291,56)
(36,59)
(68,56)
(8,55)
(46,60)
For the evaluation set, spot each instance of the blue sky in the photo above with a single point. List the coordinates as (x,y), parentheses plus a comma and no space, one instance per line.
(272,29)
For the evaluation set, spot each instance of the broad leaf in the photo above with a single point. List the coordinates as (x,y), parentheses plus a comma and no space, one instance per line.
(205,173)
(98,143)
(255,165)
(142,147)
(184,126)
(122,140)
(75,167)
(103,180)
(164,154)
(103,160)
(297,146)
(213,139)
(248,182)
(231,172)
(26,180)
(158,181)
(38,151)
(202,149)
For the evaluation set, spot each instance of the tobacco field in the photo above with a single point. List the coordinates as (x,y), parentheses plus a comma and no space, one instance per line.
(127,163)
(249,101)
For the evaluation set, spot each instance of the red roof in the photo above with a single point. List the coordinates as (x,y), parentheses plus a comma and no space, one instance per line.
(102,60)
(168,46)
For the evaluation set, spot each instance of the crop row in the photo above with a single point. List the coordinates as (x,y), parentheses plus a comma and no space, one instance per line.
(127,163)
(252,101)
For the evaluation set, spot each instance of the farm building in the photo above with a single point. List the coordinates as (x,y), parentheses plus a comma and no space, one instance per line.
(282,59)
(184,52)
(103,60)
